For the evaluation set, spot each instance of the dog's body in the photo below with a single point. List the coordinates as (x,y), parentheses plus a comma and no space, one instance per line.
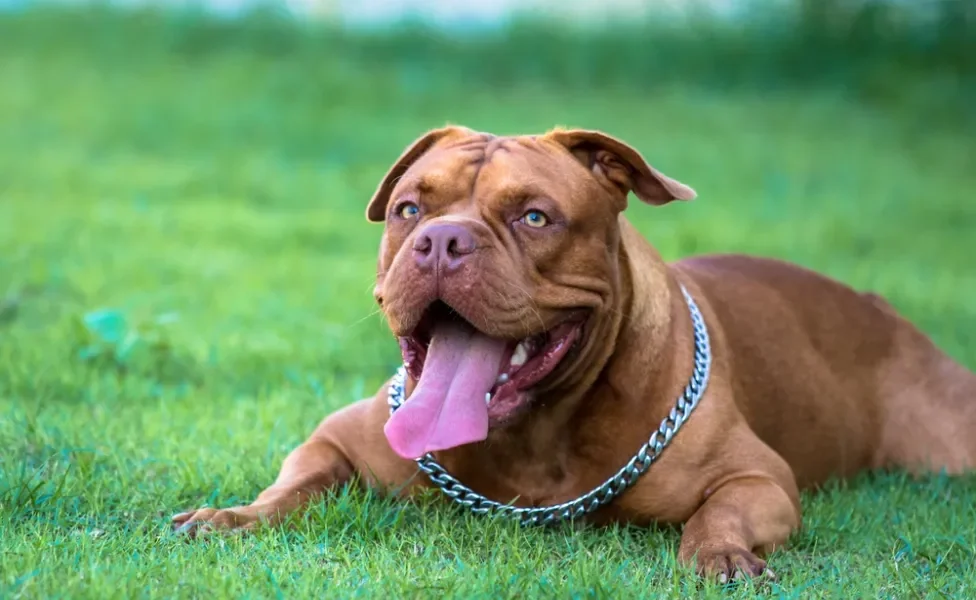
(809,379)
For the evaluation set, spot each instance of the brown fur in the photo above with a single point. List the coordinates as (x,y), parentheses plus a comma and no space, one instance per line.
(810,379)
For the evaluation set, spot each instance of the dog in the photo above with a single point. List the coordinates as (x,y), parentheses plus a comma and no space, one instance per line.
(556,367)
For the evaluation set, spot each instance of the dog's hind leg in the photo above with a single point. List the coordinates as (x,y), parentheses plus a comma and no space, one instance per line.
(929,404)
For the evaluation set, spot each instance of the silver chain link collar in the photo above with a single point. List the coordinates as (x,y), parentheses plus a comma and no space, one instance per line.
(609,489)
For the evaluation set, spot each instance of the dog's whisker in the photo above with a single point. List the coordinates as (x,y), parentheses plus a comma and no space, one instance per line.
(363,319)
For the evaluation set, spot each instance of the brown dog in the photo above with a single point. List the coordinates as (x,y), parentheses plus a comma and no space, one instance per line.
(507,272)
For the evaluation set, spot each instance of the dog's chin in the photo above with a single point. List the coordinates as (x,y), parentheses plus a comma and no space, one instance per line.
(527,363)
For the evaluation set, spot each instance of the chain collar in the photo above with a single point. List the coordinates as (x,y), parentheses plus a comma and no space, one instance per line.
(609,489)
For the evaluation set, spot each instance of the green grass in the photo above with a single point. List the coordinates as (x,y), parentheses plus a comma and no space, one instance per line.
(185,277)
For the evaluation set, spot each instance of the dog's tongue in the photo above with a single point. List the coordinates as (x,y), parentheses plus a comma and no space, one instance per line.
(447,408)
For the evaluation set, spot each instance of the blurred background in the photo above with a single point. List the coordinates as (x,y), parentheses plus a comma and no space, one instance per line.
(211,161)
(183,249)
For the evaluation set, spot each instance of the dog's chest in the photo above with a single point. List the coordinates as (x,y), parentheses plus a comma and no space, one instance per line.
(521,480)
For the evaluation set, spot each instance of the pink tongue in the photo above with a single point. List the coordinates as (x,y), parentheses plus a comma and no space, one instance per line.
(447,408)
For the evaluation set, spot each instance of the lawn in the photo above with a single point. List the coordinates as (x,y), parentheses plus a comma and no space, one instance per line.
(185,290)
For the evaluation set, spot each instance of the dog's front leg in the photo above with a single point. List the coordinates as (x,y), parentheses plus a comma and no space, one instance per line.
(348,443)
(311,469)
(743,515)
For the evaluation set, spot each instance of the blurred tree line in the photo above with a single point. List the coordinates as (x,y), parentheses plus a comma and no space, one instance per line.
(922,53)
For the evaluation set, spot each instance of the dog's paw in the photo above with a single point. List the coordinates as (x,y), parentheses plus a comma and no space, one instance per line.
(728,562)
(208,520)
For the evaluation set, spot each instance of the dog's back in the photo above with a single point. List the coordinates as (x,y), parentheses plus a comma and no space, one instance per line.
(814,359)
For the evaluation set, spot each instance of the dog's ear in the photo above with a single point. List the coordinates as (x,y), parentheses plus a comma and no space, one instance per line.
(376,210)
(614,161)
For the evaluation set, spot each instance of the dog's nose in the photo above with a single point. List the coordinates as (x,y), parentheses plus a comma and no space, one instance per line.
(443,246)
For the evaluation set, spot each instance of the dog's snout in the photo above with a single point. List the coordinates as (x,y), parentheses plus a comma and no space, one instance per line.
(443,246)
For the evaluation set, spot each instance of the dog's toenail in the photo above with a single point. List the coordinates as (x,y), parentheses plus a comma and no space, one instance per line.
(188,527)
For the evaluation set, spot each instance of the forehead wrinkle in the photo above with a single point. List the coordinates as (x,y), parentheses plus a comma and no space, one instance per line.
(532,143)
(531,187)
(523,174)
(469,157)
(470,153)
(443,165)
(478,141)
(488,146)
(497,145)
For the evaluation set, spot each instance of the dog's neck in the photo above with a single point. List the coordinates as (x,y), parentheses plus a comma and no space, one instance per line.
(652,353)
(655,343)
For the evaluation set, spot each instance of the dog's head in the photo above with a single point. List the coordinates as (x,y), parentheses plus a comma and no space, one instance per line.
(498,270)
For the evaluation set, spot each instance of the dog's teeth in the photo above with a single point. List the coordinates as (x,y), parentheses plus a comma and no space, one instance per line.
(503,378)
(488,398)
(520,355)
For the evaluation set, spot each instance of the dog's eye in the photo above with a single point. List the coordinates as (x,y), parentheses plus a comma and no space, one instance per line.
(535,218)
(408,210)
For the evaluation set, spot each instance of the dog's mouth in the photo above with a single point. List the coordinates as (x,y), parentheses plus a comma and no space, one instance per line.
(523,362)
(467,379)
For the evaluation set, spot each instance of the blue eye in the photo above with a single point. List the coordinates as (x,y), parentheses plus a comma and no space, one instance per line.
(409,210)
(535,218)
